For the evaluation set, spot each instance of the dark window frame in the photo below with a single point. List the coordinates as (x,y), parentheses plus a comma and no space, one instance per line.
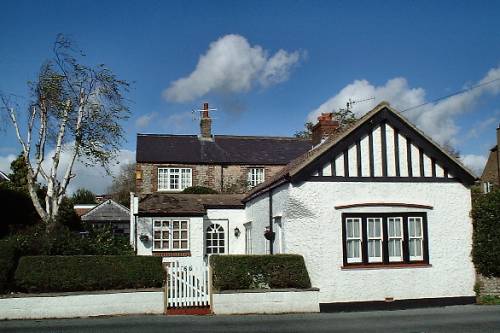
(385,244)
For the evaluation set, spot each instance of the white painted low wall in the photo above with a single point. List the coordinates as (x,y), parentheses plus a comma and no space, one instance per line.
(87,305)
(265,301)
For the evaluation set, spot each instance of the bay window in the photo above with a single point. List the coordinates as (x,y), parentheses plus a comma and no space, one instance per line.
(385,239)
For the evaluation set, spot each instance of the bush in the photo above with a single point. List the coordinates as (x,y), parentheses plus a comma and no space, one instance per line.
(61,241)
(231,272)
(199,190)
(83,273)
(8,263)
(486,238)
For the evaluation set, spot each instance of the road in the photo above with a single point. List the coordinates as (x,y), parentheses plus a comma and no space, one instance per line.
(468,318)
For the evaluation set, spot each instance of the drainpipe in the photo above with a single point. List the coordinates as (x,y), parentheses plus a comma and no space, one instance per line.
(271,241)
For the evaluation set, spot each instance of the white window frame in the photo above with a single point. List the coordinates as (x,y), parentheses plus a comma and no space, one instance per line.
(248,237)
(486,187)
(167,225)
(256,176)
(215,229)
(352,238)
(395,219)
(164,178)
(415,237)
(379,238)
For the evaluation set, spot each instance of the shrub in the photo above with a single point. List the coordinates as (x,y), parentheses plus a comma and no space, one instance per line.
(231,272)
(8,263)
(61,241)
(83,273)
(486,238)
(199,190)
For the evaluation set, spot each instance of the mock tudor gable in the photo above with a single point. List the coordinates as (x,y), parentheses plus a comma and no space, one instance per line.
(382,146)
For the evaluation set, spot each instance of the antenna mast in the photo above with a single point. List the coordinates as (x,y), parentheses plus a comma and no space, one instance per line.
(351,103)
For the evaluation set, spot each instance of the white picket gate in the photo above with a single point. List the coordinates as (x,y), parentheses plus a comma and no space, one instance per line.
(187,284)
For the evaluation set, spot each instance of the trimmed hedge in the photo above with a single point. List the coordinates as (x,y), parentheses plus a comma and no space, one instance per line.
(82,273)
(232,272)
(8,263)
(486,237)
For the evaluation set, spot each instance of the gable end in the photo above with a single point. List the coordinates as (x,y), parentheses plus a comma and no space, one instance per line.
(384,148)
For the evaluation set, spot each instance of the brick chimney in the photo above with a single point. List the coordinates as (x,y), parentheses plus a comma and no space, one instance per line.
(325,127)
(205,124)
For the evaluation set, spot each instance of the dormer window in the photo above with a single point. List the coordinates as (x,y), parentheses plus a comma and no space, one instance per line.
(174,179)
(255,176)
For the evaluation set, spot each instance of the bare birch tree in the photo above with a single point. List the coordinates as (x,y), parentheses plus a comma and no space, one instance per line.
(75,109)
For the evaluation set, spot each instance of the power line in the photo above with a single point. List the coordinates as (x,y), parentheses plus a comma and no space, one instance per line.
(451,95)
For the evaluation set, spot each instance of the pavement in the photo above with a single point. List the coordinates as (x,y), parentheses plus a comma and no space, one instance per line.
(465,318)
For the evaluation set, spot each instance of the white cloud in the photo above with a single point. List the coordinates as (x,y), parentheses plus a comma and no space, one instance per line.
(435,119)
(5,162)
(144,120)
(475,163)
(231,64)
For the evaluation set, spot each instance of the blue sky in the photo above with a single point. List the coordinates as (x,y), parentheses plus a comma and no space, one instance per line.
(269,66)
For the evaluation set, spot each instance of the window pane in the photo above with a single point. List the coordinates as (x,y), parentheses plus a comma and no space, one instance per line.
(176,225)
(176,234)
(157,245)
(165,245)
(184,224)
(353,249)
(176,244)
(157,223)
(157,234)
(355,232)
(184,244)
(165,224)
(165,235)
(184,234)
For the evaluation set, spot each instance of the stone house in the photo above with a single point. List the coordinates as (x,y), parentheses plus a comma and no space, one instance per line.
(491,174)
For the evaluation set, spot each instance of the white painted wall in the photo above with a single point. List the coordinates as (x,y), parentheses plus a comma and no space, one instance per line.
(313,229)
(70,306)
(266,302)
(257,211)
(228,218)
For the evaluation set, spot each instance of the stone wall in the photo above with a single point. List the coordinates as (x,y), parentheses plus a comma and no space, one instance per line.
(227,178)
(488,286)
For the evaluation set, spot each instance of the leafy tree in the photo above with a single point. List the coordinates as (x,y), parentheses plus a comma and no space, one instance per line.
(123,184)
(486,238)
(83,196)
(73,106)
(345,117)
(19,175)
(67,215)
(450,149)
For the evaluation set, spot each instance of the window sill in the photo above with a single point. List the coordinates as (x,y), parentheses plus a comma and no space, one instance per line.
(172,253)
(385,266)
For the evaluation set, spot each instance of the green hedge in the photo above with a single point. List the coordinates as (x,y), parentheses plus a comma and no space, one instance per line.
(81,273)
(8,263)
(486,239)
(231,272)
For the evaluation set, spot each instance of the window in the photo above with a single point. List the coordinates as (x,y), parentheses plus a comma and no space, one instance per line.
(170,235)
(487,187)
(174,179)
(390,238)
(374,239)
(353,226)
(215,239)
(255,176)
(248,238)
(415,237)
(395,238)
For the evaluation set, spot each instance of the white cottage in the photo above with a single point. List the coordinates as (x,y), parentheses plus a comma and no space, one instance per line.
(379,211)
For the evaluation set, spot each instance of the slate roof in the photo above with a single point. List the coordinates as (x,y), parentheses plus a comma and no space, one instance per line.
(108,210)
(179,204)
(224,149)
(295,166)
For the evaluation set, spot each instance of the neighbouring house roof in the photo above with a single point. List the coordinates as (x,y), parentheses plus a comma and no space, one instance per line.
(3,176)
(180,204)
(108,210)
(156,148)
(293,168)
